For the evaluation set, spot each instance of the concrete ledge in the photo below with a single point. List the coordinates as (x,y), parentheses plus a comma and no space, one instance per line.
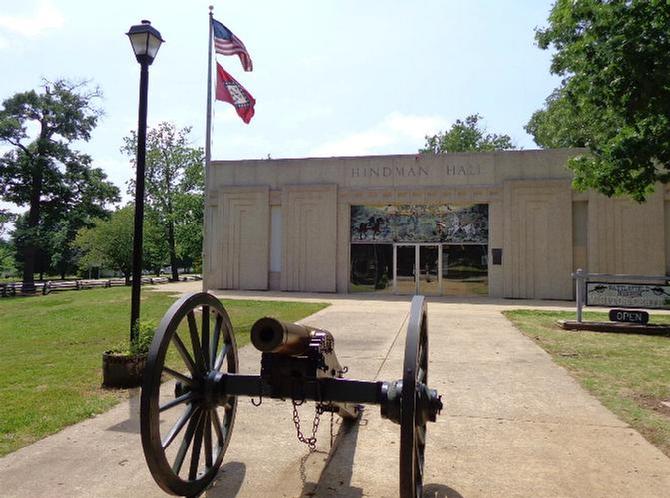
(620,327)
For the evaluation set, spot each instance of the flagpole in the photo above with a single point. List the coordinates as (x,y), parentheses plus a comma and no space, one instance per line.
(208,133)
(208,144)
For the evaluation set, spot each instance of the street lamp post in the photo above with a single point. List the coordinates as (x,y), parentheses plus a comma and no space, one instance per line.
(145,40)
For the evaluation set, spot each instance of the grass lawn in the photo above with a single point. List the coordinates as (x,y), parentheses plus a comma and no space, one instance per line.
(628,373)
(51,347)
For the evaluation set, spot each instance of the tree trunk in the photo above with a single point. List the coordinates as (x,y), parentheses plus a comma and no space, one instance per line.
(28,285)
(173,252)
(30,249)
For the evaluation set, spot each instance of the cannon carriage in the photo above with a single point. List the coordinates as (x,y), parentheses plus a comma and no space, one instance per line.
(186,425)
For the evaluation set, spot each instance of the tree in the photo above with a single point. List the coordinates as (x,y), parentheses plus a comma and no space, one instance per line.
(557,126)
(614,57)
(174,185)
(188,231)
(465,136)
(43,171)
(79,205)
(109,243)
(41,238)
(7,267)
(5,218)
(155,254)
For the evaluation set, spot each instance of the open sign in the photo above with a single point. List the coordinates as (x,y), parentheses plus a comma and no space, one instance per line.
(630,316)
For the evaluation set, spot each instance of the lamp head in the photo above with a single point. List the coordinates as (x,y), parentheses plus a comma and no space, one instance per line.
(145,40)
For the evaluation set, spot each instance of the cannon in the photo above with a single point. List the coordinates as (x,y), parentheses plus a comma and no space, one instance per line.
(192,386)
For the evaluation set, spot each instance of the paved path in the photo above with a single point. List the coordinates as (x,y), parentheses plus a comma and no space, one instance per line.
(514,424)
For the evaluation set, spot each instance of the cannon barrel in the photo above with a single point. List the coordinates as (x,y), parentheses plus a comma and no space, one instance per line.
(270,335)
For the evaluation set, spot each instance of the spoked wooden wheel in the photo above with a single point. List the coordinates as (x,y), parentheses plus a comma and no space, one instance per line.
(412,418)
(185,432)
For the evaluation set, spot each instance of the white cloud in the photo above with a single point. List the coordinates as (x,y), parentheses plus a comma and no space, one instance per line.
(44,18)
(396,133)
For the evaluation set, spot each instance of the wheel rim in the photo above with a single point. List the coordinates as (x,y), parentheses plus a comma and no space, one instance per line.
(184,432)
(412,423)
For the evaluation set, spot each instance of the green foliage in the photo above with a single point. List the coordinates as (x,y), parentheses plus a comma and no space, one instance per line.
(144,333)
(557,126)
(189,230)
(174,190)
(466,136)
(154,244)
(614,57)
(109,243)
(62,190)
(22,235)
(7,266)
(5,218)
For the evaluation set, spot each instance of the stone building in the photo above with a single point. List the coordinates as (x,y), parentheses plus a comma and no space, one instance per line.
(502,224)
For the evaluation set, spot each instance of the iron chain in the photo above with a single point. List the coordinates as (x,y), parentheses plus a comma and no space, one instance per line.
(309,441)
(331,429)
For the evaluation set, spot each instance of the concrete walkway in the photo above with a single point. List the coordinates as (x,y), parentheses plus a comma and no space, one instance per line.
(514,424)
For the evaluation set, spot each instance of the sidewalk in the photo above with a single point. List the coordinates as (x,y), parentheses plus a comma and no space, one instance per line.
(514,423)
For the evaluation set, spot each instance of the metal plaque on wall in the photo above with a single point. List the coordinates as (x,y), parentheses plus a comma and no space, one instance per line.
(610,294)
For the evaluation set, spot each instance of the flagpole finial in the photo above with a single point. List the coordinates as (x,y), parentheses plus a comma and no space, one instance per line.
(211,8)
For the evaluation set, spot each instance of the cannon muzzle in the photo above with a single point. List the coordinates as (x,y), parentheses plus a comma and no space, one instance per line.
(270,335)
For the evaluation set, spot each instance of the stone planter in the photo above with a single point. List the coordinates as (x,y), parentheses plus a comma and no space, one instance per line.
(122,370)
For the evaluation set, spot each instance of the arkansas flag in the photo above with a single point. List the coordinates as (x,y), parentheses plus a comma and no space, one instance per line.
(229,90)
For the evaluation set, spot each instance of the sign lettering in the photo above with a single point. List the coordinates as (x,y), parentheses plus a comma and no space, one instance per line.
(462,170)
(388,171)
(630,316)
(610,294)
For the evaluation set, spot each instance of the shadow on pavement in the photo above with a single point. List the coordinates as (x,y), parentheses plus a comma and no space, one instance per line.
(440,491)
(132,423)
(228,481)
(335,478)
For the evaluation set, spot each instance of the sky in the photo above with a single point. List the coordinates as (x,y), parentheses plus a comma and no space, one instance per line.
(330,78)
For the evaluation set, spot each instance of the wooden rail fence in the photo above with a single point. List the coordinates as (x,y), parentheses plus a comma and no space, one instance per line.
(14,288)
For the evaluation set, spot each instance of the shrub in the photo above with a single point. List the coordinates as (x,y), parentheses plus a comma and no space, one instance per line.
(145,334)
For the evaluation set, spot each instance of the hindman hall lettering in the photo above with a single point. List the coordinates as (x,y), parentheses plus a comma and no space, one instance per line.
(389,171)
(467,170)
(413,171)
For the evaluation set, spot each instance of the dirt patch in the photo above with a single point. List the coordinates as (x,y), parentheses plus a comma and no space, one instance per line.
(661,406)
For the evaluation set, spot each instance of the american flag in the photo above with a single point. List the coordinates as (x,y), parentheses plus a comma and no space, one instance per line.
(226,43)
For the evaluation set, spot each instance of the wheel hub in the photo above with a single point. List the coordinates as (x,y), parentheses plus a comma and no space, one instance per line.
(428,402)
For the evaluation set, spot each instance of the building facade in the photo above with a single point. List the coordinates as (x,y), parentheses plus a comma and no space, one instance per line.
(500,224)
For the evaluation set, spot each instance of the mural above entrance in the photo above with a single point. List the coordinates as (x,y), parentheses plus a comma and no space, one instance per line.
(465,224)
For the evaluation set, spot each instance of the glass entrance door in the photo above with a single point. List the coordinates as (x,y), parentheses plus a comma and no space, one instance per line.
(416,269)
(465,269)
(430,280)
(404,262)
